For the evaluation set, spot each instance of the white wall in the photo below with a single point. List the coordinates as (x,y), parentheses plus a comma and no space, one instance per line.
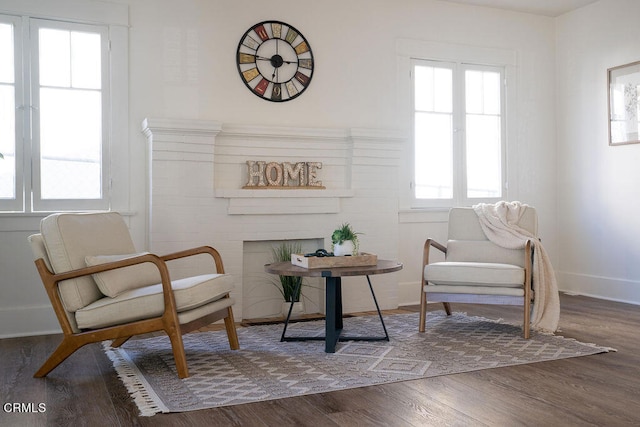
(599,195)
(356,82)
(182,66)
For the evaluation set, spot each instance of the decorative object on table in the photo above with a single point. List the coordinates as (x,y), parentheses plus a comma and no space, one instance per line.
(267,369)
(275,61)
(289,286)
(331,261)
(345,241)
(624,104)
(286,175)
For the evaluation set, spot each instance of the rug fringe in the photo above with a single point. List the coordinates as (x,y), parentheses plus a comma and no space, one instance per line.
(131,378)
(588,344)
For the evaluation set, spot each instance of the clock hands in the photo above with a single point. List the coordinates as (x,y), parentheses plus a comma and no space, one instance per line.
(275,59)
(276,62)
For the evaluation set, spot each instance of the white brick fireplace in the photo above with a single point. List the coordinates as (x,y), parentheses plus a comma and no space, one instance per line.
(196,172)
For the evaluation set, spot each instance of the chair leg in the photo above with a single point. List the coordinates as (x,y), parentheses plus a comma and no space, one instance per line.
(447,308)
(119,341)
(229,324)
(423,311)
(67,347)
(178,352)
(526,326)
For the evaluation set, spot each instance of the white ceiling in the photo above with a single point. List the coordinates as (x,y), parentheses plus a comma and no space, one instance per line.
(538,7)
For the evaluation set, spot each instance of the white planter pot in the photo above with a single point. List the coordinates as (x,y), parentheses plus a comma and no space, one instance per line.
(346,248)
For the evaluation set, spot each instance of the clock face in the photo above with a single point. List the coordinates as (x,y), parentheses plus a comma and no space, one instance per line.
(275,61)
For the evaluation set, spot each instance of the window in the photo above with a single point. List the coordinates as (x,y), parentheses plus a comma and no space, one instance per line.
(54,115)
(459,133)
(7,110)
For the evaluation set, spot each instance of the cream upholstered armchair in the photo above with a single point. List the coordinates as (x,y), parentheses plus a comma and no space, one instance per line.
(101,289)
(476,270)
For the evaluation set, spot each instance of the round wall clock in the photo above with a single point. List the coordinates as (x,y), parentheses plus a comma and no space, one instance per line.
(275,61)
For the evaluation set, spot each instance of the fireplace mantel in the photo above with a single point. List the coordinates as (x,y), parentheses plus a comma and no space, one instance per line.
(197,169)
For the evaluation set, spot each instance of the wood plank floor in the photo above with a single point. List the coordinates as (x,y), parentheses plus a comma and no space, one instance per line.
(600,390)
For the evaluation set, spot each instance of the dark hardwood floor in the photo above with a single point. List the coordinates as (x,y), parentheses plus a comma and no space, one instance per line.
(600,390)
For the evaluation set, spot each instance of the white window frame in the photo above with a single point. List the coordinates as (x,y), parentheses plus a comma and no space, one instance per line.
(408,52)
(459,134)
(17,204)
(114,18)
(40,204)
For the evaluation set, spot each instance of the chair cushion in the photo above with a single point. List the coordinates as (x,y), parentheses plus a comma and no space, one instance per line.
(113,282)
(483,251)
(70,237)
(147,302)
(474,273)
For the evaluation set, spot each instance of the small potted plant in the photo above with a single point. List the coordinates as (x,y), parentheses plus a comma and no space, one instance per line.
(289,284)
(345,241)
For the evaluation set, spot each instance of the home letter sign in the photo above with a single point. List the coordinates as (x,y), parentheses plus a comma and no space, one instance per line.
(283,175)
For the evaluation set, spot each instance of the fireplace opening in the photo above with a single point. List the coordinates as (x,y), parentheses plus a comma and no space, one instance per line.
(261,295)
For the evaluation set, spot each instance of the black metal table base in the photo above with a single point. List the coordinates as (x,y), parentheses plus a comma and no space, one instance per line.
(333,318)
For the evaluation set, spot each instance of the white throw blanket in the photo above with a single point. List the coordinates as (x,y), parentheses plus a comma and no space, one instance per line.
(500,224)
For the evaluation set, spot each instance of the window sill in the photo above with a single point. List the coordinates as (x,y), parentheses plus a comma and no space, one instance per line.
(30,221)
(423,215)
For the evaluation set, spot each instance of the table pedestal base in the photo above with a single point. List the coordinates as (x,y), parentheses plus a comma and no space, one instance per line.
(333,318)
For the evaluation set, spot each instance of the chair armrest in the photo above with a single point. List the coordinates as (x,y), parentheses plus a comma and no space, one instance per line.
(426,251)
(198,251)
(430,242)
(87,271)
(51,280)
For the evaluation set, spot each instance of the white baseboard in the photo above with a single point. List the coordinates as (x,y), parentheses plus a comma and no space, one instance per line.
(28,321)
(621,290)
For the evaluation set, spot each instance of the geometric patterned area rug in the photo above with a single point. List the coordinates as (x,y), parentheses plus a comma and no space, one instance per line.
(265,368)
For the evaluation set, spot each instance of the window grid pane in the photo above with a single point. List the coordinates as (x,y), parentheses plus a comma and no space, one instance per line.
(433,89)
(7,71)
(483,134)
(484,177)
(85,60)
(55,57)
(7,114)
(433,95)
(433,156)
(70,141)
(70,115)
(7,142)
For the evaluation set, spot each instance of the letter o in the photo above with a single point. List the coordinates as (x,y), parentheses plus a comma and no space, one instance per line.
(269,174)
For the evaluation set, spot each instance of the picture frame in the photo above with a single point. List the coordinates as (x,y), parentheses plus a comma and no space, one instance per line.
(623,87)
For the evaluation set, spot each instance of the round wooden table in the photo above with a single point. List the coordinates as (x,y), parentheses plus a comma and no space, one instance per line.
(333,298)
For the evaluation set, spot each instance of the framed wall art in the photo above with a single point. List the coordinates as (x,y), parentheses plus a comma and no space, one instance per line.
(624,105)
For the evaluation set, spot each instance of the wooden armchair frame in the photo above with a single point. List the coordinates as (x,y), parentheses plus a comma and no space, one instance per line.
(167,322)
(446,299)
